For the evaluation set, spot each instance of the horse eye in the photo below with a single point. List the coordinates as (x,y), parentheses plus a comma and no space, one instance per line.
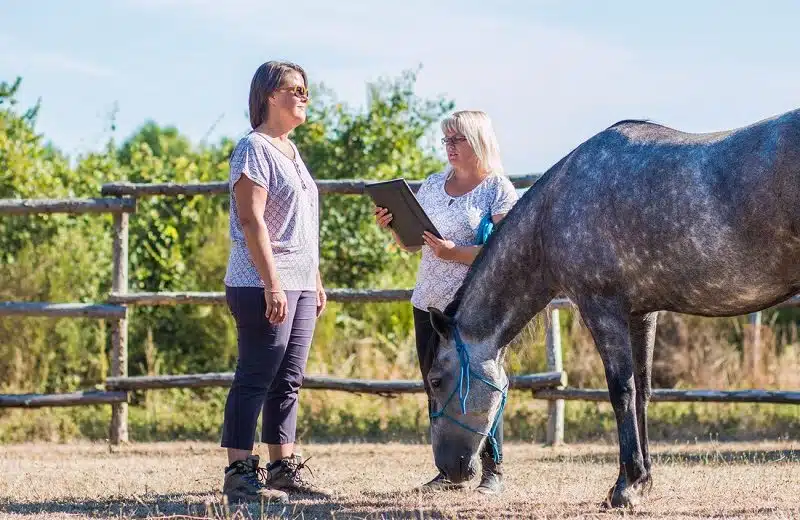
(436,382)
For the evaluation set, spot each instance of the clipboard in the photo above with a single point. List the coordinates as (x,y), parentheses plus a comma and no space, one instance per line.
(409,220)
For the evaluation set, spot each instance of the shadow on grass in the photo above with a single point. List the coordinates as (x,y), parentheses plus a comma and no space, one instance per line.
(193,506)
(366,506)
(718,455)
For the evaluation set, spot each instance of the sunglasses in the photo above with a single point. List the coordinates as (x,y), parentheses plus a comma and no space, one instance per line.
(298,90)
(453,140)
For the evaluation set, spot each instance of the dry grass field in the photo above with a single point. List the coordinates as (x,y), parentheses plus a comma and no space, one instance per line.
(707,480)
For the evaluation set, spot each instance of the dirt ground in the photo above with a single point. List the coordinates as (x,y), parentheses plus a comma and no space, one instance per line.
(710,480)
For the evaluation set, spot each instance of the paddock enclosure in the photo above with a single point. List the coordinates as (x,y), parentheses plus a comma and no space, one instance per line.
(126,479)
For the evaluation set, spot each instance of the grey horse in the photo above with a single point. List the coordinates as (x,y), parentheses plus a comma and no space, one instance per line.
(639,218)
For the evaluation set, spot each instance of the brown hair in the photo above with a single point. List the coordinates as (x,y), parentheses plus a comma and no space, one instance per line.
(267,79)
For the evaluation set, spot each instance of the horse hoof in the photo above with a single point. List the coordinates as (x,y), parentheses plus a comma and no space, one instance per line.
(627,497)
(609,502)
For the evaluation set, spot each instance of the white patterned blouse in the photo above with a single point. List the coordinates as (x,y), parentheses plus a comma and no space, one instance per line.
(291,215)
(457,219)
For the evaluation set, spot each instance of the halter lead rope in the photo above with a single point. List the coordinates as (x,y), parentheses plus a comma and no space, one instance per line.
(463,387)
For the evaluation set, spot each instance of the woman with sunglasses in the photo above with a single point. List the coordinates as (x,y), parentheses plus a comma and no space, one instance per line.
(463,202)
(272,286)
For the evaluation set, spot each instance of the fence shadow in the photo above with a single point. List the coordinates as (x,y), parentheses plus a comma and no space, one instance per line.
(366,505)
(709,456)
(173,506)
(370,505)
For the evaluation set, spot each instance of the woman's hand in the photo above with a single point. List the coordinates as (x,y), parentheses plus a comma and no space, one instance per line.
(444,249)
(382,217)
(322,299)
(276,305)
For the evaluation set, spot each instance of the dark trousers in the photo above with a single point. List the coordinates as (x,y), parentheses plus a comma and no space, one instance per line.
(270,368)
(424,333)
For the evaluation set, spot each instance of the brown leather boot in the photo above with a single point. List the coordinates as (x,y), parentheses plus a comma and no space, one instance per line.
(242,483)
(285,474)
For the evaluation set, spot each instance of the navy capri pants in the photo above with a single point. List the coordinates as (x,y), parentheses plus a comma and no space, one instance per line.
(270,368)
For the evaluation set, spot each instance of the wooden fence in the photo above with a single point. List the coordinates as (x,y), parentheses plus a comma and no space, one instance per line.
(119,199)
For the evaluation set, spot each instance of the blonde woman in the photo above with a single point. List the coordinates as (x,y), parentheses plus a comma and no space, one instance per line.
(471,193)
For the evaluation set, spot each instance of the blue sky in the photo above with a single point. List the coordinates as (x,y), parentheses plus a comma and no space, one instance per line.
(549,72)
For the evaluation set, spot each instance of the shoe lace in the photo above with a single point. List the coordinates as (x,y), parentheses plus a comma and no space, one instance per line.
(262,475)
(250,474)
(295,467)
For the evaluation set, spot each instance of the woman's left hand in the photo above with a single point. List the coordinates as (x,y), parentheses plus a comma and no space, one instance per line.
(442,248)
(322,299)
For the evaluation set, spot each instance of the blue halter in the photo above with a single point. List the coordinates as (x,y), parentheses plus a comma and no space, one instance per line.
(463,392)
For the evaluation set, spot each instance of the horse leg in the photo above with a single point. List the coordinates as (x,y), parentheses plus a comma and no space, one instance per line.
(610,329)
(643,337)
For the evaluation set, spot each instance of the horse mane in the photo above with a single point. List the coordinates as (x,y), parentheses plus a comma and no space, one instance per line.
(634,122)
(489,246)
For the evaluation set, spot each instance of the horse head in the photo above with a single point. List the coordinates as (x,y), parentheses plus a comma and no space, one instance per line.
(468,388)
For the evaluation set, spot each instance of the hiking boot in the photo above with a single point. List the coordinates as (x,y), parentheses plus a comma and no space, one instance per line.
(491,477)
(441,483)
(285,474)
(245,482)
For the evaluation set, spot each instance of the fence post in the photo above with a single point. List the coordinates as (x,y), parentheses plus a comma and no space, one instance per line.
(752,350)
(119,327)
(555,408)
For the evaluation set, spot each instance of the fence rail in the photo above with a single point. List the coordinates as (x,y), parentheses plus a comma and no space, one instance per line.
(62,310)
(340,187)
(673,395)
(68,399)
(369,386)
(72,206)
(218,298)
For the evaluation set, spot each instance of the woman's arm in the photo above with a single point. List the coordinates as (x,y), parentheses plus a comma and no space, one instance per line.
(447,250)
(251,199)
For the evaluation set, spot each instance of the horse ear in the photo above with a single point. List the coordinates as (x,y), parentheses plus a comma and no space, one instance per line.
(441,323)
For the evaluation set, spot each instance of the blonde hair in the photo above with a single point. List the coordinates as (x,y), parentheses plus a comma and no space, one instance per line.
(476,126)
(267,79)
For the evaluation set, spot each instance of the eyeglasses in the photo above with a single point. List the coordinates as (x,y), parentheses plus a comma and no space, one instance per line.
(453,140)
(298,90)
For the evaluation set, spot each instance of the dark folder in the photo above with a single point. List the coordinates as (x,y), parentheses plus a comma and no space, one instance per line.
(409,220)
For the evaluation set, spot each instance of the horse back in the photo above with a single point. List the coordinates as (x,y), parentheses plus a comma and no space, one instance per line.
(662,214)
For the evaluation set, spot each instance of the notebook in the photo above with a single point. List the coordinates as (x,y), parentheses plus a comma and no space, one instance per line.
(409,220)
